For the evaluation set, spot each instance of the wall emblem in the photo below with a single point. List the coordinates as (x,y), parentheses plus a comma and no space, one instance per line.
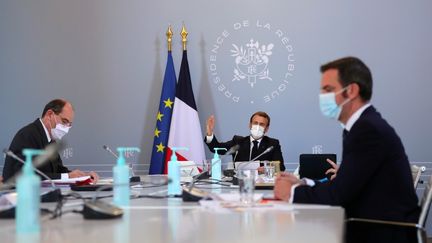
(252,62)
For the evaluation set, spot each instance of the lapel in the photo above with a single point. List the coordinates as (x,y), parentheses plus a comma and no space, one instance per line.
(41,132)
(369,111)
(263,145)
(244,150)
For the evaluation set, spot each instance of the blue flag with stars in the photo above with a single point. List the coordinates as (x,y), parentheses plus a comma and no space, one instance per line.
(163,118)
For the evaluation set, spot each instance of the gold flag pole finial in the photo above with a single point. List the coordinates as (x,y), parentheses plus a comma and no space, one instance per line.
(184,34)
(169,35)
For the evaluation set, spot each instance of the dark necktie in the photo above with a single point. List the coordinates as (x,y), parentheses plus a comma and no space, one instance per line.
(344,134)
(254,150)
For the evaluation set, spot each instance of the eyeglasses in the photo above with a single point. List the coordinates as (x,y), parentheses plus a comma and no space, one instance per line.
(65,121)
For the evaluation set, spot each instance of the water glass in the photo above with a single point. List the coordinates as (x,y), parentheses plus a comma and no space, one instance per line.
(269,170)
(246,180)
(131,171)
(206,166)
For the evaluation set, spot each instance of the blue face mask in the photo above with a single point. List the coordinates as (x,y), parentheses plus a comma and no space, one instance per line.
(328,105)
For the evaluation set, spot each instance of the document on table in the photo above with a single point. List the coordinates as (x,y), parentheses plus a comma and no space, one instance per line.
(67,181)
(8,200)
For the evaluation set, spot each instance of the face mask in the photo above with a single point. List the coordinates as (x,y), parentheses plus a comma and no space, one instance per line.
(328,105)
(59,131)
(257,131)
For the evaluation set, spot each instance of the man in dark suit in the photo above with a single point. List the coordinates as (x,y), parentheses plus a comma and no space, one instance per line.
(374,179)
(251,146)
(57,118)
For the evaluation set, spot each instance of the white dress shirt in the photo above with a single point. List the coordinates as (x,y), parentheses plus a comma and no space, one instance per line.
(251,139)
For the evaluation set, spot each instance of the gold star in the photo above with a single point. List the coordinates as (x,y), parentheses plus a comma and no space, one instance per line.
(168,103)
(159,116)
(157,132)
(160,147)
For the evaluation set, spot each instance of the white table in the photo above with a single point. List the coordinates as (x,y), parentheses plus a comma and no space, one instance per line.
(172,220)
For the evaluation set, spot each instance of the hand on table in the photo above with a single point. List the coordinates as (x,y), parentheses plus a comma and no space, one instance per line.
(283,184)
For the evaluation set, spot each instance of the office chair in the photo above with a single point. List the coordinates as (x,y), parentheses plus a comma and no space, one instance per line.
(416,172)
(425,204)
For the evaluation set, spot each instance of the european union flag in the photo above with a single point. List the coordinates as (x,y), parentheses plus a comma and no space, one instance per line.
(163,118)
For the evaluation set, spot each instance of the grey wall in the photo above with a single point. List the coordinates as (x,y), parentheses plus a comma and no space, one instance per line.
(108,58)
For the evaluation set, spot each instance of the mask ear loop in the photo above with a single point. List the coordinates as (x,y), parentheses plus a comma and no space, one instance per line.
(342,90)
(345,101)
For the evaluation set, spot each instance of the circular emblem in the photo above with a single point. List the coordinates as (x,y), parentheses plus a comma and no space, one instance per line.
(251,62)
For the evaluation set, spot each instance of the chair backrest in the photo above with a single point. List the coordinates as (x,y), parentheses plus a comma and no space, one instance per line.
(426,203)
(416,172)
(314,166)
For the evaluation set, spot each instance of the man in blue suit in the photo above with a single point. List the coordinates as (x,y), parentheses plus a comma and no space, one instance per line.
(374,179)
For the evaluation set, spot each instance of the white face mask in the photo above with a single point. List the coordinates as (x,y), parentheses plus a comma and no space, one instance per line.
(257,131)
(59,131)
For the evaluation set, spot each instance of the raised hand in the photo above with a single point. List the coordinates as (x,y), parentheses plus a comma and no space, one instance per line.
(333,170)
(210,125)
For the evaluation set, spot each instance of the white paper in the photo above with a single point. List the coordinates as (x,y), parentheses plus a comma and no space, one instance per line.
(105,181)
(70,180)
(8,200)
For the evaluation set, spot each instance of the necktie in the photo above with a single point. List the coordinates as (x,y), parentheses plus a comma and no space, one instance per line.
(254,150)
(344,134)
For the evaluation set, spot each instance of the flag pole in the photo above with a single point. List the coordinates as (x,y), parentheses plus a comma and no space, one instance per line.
(184,34)
(169,35)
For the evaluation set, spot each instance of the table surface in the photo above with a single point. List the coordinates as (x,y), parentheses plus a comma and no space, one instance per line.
(172,220)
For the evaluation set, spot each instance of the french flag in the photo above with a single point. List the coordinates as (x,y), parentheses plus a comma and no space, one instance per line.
(185,129)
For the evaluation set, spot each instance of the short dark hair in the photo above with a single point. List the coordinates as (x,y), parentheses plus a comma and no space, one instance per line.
(263,114)
(54,105)
(352,70)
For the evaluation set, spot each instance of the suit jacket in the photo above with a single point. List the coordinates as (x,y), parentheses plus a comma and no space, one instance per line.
(244,150)
(374,179)
(32,136)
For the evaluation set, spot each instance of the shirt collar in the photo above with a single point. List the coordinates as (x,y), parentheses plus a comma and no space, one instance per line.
(252,139)
(46,131)
(354,117)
